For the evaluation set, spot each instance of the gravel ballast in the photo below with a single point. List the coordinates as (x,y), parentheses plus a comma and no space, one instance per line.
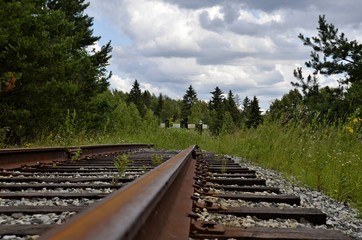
(340,216)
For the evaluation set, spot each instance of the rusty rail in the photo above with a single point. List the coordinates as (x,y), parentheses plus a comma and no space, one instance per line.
(155,206)
(13,158)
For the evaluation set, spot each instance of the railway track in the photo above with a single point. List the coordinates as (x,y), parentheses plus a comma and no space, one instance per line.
(191,195)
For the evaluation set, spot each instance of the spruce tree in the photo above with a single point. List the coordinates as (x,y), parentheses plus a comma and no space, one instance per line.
(216,110)
(255,117)
(135,97)
(46,66)
(159,106)
(245,114)
(232,108)
(188,100)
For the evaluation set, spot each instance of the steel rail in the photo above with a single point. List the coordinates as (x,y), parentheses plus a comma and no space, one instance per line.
(15,158)
(154,206)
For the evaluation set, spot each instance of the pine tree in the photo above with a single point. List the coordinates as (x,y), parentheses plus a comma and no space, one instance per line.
(231,107)
(187,102)
(245,113)
(255,117)
(135,97)
(216,107)
(46,65)
(159,106)
(332,54)
(146,98)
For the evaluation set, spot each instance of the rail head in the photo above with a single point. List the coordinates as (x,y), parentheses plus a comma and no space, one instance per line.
(142,209)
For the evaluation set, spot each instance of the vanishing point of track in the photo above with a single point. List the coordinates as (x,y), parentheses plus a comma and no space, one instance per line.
(163,202)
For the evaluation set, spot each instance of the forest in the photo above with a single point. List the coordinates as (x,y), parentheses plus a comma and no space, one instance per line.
(54,90)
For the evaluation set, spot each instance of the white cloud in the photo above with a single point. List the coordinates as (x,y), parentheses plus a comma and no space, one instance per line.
(121,84)
(249,47)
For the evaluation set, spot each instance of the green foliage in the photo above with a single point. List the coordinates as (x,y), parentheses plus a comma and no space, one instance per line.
(251,113)
(46,68)
(228,125)
(159,106)
(76,155)
(68,130)
(199,111)
(3,132)
(188,101)
(156,159)
(332,54)
(122,163)
(216,107)
(287,108)
(135,97)
(144,168)
(232,108)
(170,110)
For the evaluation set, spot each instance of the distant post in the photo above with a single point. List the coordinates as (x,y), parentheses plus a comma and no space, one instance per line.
(167,123)
(200,127)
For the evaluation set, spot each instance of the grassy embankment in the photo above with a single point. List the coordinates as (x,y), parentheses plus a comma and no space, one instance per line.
(326,158)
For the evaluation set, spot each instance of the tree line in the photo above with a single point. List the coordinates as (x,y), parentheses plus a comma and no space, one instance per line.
(222,114)
(51,83)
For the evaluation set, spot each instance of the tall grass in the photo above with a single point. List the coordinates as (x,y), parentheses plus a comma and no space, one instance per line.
(323,157)
(327,158)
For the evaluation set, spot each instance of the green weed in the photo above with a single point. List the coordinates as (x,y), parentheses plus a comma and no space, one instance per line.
(223,165)
(156,159)
(76,155)
(122,163)
(144,168)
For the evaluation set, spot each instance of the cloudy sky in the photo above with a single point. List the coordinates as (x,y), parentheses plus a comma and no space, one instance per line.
(247,46)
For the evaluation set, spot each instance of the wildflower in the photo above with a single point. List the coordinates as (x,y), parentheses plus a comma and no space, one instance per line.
(350,129)
(355,120)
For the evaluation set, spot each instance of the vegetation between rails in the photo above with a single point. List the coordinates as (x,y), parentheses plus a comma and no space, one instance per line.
(122,162)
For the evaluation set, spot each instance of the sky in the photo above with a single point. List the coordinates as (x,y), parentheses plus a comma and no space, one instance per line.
(250,47)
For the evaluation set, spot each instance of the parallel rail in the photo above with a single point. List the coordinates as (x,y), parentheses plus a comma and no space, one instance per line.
(13,158)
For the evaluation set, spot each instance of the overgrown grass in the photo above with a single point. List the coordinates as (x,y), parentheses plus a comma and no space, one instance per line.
(326,158)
